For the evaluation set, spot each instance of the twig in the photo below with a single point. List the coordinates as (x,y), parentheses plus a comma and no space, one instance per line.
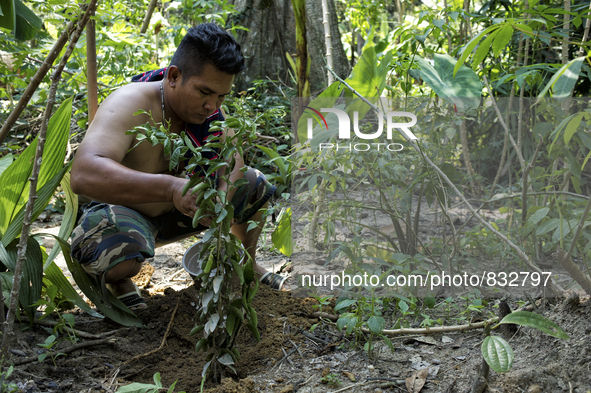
(163,339)
(554,288)
(296,347)
(314,338)
(436,329)
(287,357)
(80,333)
(455,365)
(73,348)
(349,387)
(284,357)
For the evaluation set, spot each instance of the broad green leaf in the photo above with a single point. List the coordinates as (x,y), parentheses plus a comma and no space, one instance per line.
(526,318)
(538,215)
(376,324)
(13,181)
(254,331)
(5,162)
(563,81)
(44,195)
(483,49)
(326,99)
(69,218)
(343,305)
(31,281)
(117,311)
(281,162)
(471,45)
(497,353)
(27,23)
(282,236)
(8,18)
(502,39)
(572,126)
(547,226)
(464,90)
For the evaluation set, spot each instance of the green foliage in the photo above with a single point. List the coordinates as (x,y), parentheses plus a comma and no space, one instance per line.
(147,387)
(48,344)
(498,353)
(20,19)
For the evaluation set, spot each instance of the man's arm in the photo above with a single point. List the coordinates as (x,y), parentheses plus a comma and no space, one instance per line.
(104,171)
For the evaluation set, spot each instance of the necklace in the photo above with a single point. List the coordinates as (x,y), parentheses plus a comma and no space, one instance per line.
(162,99)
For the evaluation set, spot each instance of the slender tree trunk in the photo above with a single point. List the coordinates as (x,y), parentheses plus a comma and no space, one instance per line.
(447,23)
(302,70)
(327,38)
(91,69)
(148,17)
(22,246)
(586,32)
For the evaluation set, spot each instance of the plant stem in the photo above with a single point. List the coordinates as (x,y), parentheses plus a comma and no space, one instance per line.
(22,246)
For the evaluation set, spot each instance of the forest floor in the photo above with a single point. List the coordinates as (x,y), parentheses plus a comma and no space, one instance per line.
(542,363)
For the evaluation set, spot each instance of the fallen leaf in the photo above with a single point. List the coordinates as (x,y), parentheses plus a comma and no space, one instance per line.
(350,376)
(447,340)
(458,343)
(325,372)
(417,380)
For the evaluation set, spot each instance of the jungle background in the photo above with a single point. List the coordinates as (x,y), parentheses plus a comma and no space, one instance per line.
(499,176)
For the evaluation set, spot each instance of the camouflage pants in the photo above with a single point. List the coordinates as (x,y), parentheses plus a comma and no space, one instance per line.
(109,234)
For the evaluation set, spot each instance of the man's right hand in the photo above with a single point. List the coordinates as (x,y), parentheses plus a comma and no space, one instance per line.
(186,204)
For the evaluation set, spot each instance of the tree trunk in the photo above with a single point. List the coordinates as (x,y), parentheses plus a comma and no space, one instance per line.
(272,35)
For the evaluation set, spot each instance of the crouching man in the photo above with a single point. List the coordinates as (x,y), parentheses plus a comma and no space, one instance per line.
(137,202)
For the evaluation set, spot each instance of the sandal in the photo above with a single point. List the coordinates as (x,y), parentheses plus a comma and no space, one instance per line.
(275,281)
(133,300)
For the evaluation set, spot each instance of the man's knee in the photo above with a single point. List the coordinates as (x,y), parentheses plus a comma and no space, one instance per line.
(125,269)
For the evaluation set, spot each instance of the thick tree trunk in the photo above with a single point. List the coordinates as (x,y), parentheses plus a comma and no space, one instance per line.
(272,35)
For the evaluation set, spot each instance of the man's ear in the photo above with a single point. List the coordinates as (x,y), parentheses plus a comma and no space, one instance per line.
(173,76)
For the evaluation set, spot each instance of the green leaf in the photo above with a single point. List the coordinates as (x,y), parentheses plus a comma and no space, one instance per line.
(27,23)
(572,126)
(526,318)
(538,215)
(13,181)
(230,323)
(376,324)
(502,39)
(254,331)
(563,81)
(463,90)
(326,99)
(8,18)
(137,387)
(547,226)
(497,353)
(344,304)
(226,359)
(282,236)
(5,162)
(470,47)
(117,311)
(483,50)
(44,195)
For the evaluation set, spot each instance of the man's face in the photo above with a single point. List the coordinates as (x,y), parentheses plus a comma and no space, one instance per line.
(195,99)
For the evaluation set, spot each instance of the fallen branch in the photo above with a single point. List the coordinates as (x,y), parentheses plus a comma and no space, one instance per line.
(79,333)
(554,288)
(163,339)
(73,348)
(436,329)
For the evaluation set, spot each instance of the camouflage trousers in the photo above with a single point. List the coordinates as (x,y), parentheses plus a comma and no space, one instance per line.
(109,234)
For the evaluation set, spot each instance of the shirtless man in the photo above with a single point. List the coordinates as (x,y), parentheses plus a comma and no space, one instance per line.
(139,203)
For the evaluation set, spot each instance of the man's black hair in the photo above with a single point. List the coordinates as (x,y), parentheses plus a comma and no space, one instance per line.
(207,43)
